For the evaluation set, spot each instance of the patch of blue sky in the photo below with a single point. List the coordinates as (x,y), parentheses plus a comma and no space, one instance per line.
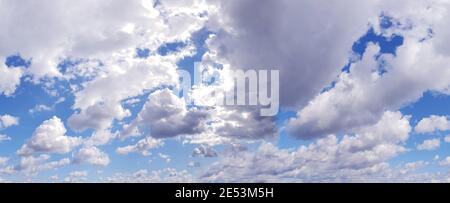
(285,140)
(431,103)
(388,45)
(170,47)
(143,52)
(27,96)
(199,40)
(16,60)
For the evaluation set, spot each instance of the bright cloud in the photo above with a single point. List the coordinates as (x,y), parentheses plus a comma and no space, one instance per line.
(50,137)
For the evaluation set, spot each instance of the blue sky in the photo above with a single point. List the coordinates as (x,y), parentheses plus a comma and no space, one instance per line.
(363,95)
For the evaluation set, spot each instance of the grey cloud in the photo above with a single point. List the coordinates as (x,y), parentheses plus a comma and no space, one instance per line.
(309,41)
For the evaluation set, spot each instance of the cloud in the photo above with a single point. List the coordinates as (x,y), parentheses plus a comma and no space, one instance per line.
(227,124)
(167,175)
(50,137)
(80,30)
(31,165)
(445,162)
(142,146)
(4,138)
(98,116)
(9,79)
(164,157)
(432,124)
(40,108)
(7,121)
(4,161)
(193,164)
(361,95)
(91,155)
(447,139)
(76,177)
(204,151)
(92,47)
(308,54)
(330,159)
(166,116)
(429,145)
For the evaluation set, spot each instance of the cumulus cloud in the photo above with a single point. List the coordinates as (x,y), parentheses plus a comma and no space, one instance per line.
(308,54)
(7,121)
(50,137)
(166,115)
(142,146)
(204,151)
(361,95)
(91,155)
(328,159)
(31,165)
(9,80)
(227,124)
(447,139)
(429,145)
(92,46)
(445,162)
(79,30)
(4,161)
(432,124)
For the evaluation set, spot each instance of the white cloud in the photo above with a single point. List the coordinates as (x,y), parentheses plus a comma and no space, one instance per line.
(9,79)
(31,165)
(352,158)
(204,151)
(7,121)
(429,145)
(4,138)
(361,96)
(415,165)
(50,137)
(168,175)
(432,124)
(445,162)
(193,164)
(76,176)
(100,137)
(103,41)
(40,108)
(166,115)
(91,155)
(4,161)
(142,146)
(165,157)
(78,173)
(227,124)
(84,29)
(447,139)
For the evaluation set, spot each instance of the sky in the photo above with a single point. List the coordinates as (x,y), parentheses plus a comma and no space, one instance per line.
(88,91)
